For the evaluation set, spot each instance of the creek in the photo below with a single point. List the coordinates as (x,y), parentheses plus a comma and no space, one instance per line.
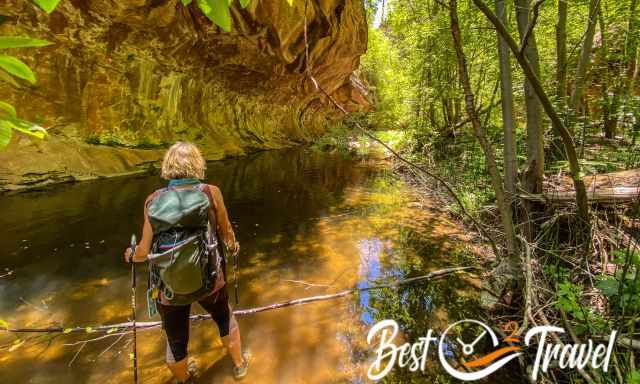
(309,223)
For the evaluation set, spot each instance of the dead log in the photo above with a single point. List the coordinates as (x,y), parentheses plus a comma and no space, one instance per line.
(113,328)
(618,195)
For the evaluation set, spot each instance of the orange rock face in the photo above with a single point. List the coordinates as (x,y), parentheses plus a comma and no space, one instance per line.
(145,73)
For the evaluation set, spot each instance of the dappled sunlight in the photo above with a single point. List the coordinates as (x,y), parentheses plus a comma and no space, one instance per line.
(356,228)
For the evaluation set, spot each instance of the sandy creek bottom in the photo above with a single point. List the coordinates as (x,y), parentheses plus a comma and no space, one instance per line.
(309,224)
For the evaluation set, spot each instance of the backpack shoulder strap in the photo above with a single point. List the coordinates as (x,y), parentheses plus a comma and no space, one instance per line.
(204,188)
(154,195)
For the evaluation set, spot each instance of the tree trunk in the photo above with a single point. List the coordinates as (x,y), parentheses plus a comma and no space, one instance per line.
(610,92)
(534,170)
(508,119)
(496,181)
(561,53)
(634,77)
(631,48)
(557,124)
(585,58)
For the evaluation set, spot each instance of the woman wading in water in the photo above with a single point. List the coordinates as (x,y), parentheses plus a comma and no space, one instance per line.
(185,225)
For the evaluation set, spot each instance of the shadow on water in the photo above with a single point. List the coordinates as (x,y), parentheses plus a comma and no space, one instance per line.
(309,223)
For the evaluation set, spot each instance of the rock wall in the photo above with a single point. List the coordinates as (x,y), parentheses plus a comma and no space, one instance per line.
(126,78)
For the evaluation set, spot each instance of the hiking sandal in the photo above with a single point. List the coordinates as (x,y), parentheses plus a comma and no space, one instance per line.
(240,372)
(192,368)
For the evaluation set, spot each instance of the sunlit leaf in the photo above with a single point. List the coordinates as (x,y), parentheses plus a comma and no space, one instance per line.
(290,2)
(4,324)
(7,78)
(186,2)
(111,330)
(17,68)
(8,108)
(608,286)
(16,344)
(131,356)
(47,5)
(218,12)
(21,42)
(27,127)
(67,330)
(244,3)
(5,133)
(89,330)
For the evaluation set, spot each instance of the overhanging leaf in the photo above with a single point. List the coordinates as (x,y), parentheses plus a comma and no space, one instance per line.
(27,127)
(17,68)
(186,2)
(244,3)
(218,12)
(290,2)
(47,5)
(4,76)
(4,324)
(21,42)
(5,134)
(8,108)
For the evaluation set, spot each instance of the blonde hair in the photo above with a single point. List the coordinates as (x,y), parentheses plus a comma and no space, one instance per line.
(182,161)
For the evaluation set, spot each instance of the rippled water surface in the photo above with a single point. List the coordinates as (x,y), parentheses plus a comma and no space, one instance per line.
(309,224)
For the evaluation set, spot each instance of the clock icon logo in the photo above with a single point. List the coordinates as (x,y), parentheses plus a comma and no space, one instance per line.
(484,365)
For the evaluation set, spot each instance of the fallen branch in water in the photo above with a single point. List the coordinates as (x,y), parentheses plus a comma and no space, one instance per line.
(113,328)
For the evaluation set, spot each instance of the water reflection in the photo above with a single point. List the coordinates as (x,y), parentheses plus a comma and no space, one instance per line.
(309,224)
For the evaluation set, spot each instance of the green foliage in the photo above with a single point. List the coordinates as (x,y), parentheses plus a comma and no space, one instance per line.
(47,5)
(5,134)
(569,299)
(587,321)
(633,377)
(8,109)
(338,138)
(623,290)
(21,42)
(389,82)
(26,127)
(218,10)
(10,65)
(17,68)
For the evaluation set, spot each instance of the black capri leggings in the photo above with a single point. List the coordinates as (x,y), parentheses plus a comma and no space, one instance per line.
(175,321)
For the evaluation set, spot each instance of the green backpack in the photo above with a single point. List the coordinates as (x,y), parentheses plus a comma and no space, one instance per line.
(185,258)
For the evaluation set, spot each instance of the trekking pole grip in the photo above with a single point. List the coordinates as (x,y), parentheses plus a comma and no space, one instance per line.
(134,244)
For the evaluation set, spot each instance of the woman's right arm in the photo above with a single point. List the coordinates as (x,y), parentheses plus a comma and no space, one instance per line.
(144,246)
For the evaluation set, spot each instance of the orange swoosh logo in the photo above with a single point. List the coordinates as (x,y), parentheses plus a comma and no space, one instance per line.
(488,359)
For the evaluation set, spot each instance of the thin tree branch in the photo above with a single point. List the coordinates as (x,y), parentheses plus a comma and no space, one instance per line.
(250,311)
(532,24)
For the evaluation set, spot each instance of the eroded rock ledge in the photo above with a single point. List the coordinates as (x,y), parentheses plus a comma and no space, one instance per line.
(126,78)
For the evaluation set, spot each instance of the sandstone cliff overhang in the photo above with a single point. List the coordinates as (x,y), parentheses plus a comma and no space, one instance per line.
(144,73)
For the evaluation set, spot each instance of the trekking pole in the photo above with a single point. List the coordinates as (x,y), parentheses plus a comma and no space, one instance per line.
(133,308)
